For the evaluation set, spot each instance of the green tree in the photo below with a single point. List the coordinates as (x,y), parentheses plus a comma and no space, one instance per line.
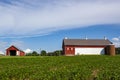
(57,53)
(34,53)
(43,53)
(117,50)
(50,54)
(29,54)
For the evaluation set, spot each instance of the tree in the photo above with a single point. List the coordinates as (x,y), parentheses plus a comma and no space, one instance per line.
(117,50)
(43,53)
(57,53)
(34,53)
(50,54)
(29,54)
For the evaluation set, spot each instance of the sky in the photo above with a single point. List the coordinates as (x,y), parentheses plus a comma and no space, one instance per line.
(43,24)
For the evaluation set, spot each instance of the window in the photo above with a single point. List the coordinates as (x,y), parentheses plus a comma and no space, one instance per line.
(67,48)
(71,48)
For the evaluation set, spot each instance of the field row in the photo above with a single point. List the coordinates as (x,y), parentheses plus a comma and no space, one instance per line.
(60,68)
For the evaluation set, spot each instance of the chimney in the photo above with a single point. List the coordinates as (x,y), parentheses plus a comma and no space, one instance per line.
(86,38)
(105,38)
(66,38)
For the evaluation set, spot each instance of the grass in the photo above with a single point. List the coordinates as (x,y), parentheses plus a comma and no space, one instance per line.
(98,67)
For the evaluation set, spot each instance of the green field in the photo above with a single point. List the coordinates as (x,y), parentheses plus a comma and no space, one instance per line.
(60,68)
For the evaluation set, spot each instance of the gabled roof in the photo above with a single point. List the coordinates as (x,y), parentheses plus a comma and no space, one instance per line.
(86,42)
(15,48)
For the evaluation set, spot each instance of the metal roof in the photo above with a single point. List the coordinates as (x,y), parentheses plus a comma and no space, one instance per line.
(86,42)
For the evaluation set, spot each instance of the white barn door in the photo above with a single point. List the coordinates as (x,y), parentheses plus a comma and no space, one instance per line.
(89,51)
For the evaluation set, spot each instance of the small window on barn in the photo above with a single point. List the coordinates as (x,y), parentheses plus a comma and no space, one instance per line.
(71,48)
(67,48)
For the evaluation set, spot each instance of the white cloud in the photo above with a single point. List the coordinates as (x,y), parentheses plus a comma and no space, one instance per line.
(39,17)
(28,51)
(116,41)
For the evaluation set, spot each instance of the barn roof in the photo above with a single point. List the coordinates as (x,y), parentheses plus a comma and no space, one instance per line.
(15,48)
(86,42)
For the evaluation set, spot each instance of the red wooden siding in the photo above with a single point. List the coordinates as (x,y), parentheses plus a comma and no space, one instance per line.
(22,53)
(69,50)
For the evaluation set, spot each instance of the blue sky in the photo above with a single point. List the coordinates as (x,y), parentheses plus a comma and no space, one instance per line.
(42,24)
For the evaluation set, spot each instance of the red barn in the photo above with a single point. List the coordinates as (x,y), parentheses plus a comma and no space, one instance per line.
(87,47)
(14,51)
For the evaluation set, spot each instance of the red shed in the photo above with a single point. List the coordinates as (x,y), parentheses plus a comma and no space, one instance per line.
(14,51)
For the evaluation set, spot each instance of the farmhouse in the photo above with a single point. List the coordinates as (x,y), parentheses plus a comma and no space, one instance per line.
(14,51)
(87,47)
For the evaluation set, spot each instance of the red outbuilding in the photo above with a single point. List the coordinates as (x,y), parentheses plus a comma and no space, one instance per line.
(14,51)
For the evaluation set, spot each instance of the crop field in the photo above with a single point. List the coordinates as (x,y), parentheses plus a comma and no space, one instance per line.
(60,68)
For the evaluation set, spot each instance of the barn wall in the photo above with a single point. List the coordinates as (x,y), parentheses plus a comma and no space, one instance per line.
(89,51)
(74,50)
(69,50)
(22,53)
(7,52)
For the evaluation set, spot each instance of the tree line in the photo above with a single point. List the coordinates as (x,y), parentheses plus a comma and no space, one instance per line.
(57,53)
(44,53)
(117,50)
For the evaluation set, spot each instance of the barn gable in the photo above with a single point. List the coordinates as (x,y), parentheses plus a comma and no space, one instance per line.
(87,46)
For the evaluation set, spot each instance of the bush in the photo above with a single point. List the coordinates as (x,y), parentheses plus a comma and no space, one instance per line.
(58,53)
(34,53)
(29,54)
(43,53)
